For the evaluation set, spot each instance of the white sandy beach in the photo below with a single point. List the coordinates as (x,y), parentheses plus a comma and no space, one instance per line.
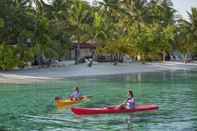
(26,76)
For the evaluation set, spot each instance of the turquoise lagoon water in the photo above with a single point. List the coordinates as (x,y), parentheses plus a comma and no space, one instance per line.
(31,107)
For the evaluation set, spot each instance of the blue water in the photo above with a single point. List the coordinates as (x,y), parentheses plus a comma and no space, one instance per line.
(31,107)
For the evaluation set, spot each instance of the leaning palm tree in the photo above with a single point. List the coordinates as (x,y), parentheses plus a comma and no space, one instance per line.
(187,35)
(39,5)
(193,23)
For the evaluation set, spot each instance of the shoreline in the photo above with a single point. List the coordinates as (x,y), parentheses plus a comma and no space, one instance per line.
(36,75)
(21,79)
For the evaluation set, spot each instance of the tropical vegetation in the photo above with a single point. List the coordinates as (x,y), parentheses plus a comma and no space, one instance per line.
(38,31)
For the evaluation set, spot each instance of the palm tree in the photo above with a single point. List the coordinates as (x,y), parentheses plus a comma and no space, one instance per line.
(79,18)
(193,23)
(161,14)
(123,16)
(186,38)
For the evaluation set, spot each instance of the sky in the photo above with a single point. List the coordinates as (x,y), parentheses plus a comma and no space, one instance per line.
(182,6)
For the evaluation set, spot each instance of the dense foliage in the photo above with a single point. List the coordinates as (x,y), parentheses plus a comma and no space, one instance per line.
(36,31)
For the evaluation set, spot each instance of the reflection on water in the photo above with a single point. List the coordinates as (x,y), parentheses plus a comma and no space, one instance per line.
(31,107)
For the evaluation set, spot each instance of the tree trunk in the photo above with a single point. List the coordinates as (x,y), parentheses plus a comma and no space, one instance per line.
(143,59)
(115,59)
(185,58)
(77,51)
(164,57)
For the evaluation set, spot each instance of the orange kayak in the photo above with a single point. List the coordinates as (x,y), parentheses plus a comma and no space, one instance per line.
(61,104)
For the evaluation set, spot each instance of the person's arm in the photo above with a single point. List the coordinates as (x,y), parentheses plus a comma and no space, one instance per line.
(124,102)
(72,95)
(78,95)
(133,100)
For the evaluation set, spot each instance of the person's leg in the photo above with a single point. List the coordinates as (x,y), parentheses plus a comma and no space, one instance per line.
(81,98)
(71,98)
(131,106)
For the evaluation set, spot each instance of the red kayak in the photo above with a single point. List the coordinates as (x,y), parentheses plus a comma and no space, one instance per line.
(110,110)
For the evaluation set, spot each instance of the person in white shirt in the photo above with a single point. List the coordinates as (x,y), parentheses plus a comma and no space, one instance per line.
(76,95)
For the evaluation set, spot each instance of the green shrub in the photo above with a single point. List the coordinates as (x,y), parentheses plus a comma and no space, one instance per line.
(8,57)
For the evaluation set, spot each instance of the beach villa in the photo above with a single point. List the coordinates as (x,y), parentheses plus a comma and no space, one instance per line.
(86,50)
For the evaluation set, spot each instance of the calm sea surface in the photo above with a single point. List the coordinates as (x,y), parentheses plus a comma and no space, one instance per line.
(31,107)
